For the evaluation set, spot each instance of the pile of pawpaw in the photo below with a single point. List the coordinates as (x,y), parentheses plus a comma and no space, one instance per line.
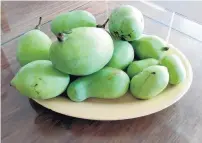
(88,61)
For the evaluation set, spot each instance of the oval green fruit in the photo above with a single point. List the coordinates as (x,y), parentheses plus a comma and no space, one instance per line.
(33,45)
(175,67)
(123,55)
(85,51)
(108,83)
(39,80)
(126,22)
(150,82)
(137,66)
(67,21)
(150,46)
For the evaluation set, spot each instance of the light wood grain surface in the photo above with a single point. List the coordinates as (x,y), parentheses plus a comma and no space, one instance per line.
(22,16)
(24,121)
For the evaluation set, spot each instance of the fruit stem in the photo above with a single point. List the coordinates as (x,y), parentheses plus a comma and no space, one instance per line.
(103,25)
(39,24)
(60,37)
(165,48)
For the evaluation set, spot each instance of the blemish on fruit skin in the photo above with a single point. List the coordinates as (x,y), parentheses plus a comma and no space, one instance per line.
(153,73)
(130,34)
(37,92)
(41,80)
(112,75)
(116,33)
(34,87)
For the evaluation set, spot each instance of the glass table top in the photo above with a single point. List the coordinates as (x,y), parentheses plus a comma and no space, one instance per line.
(183,33)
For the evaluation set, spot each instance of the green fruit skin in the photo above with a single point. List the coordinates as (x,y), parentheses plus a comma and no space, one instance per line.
(34,45)
(126,22)
(123,55)
(85,51)
(175,67)
(108,83)
(149,46)
(70,20)
(137,66)
(39,80)
(150,82)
